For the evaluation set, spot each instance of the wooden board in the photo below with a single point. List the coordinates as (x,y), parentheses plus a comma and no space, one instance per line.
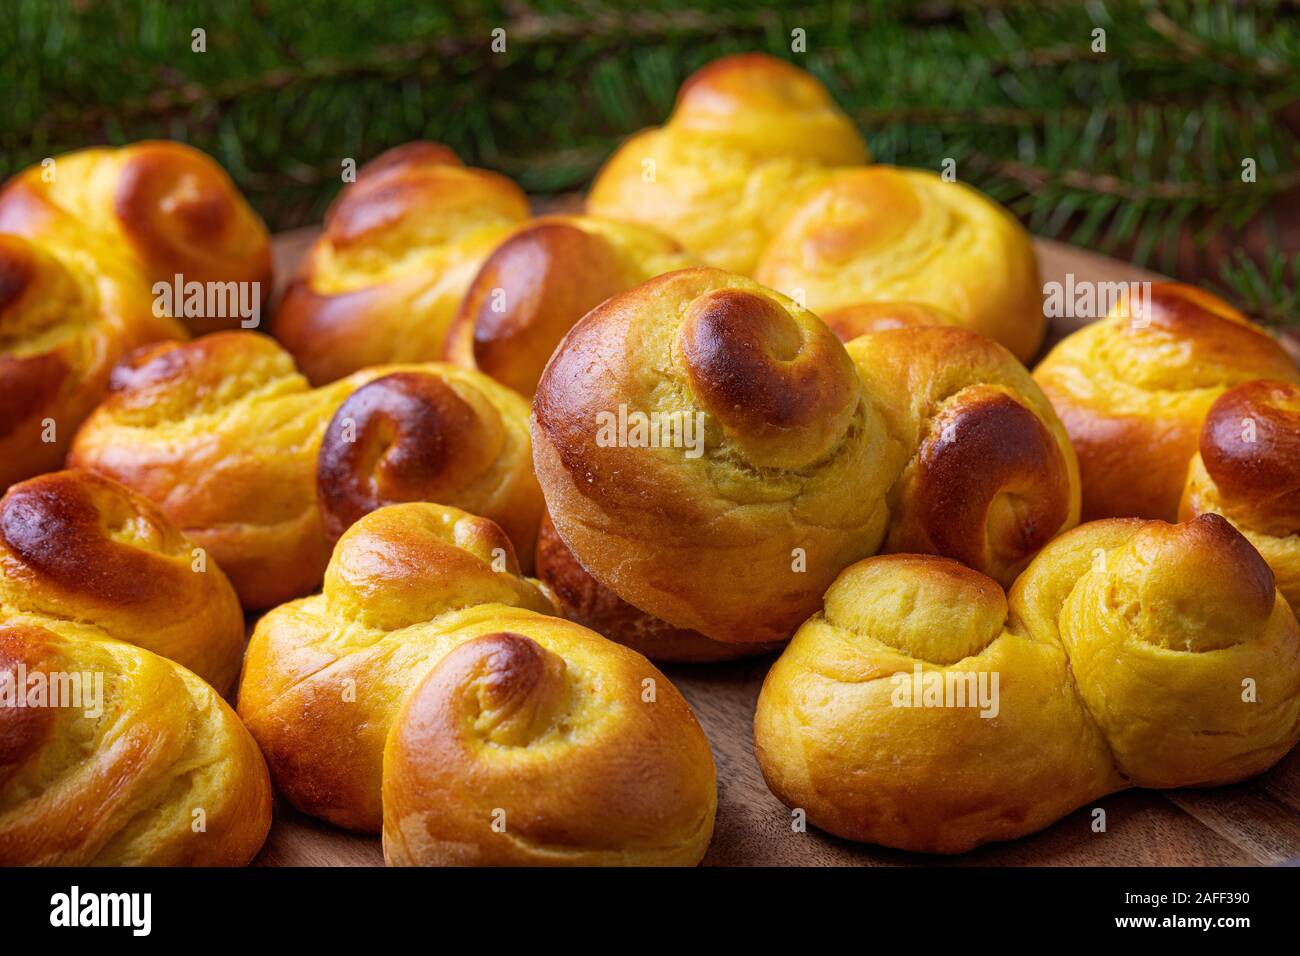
(1257,822)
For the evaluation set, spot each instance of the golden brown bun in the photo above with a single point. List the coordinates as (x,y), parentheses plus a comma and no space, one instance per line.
(429,689)
(400,247)
(1133,390)
(583,599)
(864,317)
(65,319)
(1248,470)
(937,439)
(885,233)
(748,134)
(541,280)
(115,755)
(1129,653)
(989,475)
(264,472)
(153,210)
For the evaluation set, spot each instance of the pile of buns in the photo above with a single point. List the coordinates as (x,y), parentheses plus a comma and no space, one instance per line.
(761,396)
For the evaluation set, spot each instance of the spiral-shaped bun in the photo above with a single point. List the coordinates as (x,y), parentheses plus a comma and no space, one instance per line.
(111,754)
(264,471)
(884,233)
(989,475)
(734,514)
(429,690)
(924,709)
(1248,470)
(1133,391)
(541,280)
(155,209)
(400,247)
(581,598)
(748,134)
(795,457)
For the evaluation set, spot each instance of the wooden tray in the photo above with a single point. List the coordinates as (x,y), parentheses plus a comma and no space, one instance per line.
(1257,822)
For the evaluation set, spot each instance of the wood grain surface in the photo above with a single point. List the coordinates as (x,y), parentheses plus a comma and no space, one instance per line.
(1257,822)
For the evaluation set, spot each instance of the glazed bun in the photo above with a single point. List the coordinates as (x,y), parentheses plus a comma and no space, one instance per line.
(581,598)
(111,752)
(880,232)
(400,247)
(154,210)
(264,472)
(541,280)
(429,691)
(782,457)
(1133,391)
(64,322)
(924,709)
(1248,470)
(748,133)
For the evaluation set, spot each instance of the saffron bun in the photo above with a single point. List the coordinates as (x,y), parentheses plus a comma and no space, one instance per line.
(65,319)
(747,135)
(1247,469)
(581,598)
(863,317)
(429,691)
(400,248)
(1133,391)
(866,721)
(543,278)
(263,471)
(110,752)
(812,457)
(881,232)
(142,214)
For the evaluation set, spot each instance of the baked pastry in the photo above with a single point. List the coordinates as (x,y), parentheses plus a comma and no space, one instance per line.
(111,754)
(400,247)
(1134,389)
(1248,470)
(702,430)
(429,689)
(263,471)
(65,320)
(748,134)
(924,709)
(881,232)
(158,211)
(82,243)
(853,320)
(542,279)
(581,598)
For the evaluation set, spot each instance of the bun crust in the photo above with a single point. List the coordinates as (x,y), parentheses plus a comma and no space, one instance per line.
(468,701)
(811,457)
(264,472)
(1248,470)
(135,748)
(1133,391)
(879,233)
(581,598)
(152,210)
(1118,659)
(748,133)
(865,317)
(400,247)
(540,281)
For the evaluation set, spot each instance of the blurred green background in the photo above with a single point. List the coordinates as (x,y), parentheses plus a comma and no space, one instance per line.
(1136,151)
